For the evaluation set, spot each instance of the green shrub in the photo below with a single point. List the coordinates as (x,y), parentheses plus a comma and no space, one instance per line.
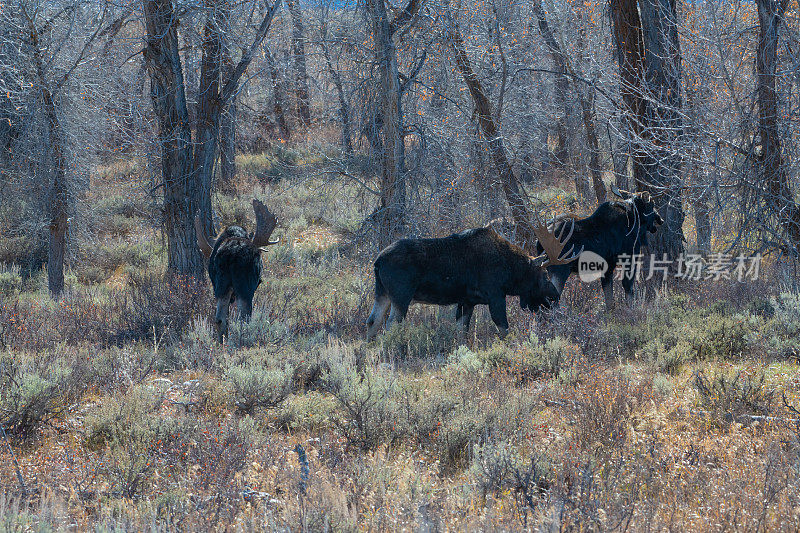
(36,389)
(10,281)
(782,330)
(464,360)
(550,358)
(310,412)
(256,385)
(368,409)
(260,330)
(133,439)
(719,337)
(428,341)
(664,359)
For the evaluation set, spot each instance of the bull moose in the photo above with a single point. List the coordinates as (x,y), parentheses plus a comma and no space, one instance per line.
(616,228)
(234,264)
(476,266)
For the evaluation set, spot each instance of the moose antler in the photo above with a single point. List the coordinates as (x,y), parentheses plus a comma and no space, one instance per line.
(265,225)
(553,244)
(622,194)
(202,241)
(644,195)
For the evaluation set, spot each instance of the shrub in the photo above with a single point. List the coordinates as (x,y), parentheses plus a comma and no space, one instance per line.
(730,396)
(603,404)
(368,409)
(36,389)
(311,412)
(133,437)
(256,385)
(151,306)
(664,359)
(260,330)
(551,358)
(719,337)
(464,360)
(10,281)
(499,467)
(783,329)
(428,341)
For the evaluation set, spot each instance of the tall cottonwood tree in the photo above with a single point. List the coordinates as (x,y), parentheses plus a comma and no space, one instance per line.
(301,90)
(648,50)
(187,164)
(780,198)
(392,153)
(45,36)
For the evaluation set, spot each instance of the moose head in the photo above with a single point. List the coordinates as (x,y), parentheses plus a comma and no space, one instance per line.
(234,263)
(644,206)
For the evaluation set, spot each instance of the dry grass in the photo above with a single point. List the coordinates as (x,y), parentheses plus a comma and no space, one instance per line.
(585,420)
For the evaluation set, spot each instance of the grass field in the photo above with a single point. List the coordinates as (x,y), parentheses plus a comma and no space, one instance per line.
(680,413)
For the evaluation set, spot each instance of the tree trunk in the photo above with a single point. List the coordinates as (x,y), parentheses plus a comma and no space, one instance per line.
(780,199)
(649,58)
(662,173)
(163,62)
(628,38)
(508,180)
(595,170)
(209,110)
(58,194)
(392,206)
(344,110)
(301,73)
(58,200)
(278,108)
(227,130)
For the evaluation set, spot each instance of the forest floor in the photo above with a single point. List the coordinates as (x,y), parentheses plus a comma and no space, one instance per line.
(681,412)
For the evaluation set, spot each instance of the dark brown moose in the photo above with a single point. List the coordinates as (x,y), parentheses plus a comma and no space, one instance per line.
(234,264)
(616,228)
(476,266)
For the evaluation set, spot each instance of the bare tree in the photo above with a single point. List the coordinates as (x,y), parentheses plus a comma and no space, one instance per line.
(46,36)
(650,73)
(494,140)
(393,187)
(187,164)
(302,94)
(564,73)
(780,197)
(278,96)
(336,78)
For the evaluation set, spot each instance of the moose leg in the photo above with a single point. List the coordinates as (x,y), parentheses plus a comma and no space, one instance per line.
(398,313)
(607,282)
(466,316)
(378,316)
(497,308)
(627,284)
(245,306)
(221,316)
